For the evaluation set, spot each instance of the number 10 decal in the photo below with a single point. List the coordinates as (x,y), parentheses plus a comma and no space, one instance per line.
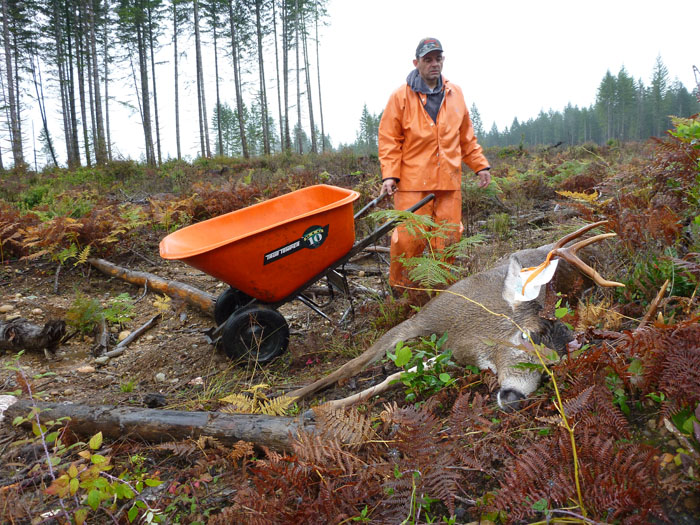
(312,238)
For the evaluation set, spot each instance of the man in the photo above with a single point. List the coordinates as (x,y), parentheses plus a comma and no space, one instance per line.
(424,136)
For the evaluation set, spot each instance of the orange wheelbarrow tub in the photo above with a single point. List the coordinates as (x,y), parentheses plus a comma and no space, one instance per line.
(268,253)
(269,249)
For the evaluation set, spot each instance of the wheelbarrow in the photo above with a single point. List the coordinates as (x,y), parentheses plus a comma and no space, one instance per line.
(268,254)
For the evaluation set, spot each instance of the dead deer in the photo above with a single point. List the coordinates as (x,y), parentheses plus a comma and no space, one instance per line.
(488,318)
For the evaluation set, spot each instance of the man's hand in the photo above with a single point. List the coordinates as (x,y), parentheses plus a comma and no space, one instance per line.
(484,178)
(389,186)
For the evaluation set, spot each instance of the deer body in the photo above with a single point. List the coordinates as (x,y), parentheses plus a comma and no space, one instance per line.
(485,328)
(487,323)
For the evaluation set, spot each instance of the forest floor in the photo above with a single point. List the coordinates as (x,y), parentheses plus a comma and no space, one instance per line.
(204,482)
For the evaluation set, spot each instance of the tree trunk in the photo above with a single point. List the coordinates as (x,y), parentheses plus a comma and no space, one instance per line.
(300,145)
(318,76)
(145,97)
(100,146)
(63,87)
(277,70)
(80,55)
(156,426)
(153,75)
(203,125)
(220,138)
(314,147)
(285,71)
(70,91)
(106,59)
(237,82)
(15,133)
(177,84)
(261,70)
(39,88)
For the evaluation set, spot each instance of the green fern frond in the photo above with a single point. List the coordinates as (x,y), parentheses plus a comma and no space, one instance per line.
(414,224)
(461,247)
(429,272)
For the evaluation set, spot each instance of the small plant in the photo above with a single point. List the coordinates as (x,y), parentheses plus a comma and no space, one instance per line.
(615,385)
(436,268)
(425,366)
(499,225)
(128,386)
(87,480)
(84,314)
(120,309)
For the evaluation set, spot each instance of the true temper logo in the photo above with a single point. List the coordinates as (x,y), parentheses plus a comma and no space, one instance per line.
(312,238)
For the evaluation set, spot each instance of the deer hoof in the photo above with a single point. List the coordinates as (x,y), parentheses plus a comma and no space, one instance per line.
(509,400)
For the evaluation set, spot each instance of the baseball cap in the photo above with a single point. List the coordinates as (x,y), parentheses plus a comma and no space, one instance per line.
(427,45)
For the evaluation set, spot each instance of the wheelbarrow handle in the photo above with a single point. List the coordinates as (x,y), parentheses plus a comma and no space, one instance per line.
(425,200)
(370,204)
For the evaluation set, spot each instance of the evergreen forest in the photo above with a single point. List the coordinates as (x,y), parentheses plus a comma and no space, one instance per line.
(71,61)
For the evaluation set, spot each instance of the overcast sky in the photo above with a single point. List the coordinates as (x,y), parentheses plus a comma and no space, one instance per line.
(512,58)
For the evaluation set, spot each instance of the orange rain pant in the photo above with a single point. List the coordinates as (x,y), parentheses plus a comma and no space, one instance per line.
(446,207)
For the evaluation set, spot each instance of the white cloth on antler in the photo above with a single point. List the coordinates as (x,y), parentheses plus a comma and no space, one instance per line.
(523,291)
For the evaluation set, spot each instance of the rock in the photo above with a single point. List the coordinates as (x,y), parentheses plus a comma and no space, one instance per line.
(87,369)
(68,392)
(154,400)
(37,311)
(149,338)
(6,308)
(160,376)
(101,360)
(123,335)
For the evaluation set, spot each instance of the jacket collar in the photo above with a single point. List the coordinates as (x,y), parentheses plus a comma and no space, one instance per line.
(417,84)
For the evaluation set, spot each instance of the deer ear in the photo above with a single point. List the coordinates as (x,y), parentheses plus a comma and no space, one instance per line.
(512,283)
(519,287)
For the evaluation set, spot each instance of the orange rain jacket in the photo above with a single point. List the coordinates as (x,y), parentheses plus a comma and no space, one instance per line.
(423,154)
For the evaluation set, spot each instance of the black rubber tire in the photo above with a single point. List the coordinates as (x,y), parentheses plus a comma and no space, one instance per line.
(228,302)
(256,333)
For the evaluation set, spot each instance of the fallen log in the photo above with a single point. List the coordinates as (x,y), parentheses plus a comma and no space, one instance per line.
(155,426)
(177,290)
(20,334)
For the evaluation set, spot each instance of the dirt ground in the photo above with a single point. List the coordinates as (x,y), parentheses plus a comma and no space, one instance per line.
(174,358)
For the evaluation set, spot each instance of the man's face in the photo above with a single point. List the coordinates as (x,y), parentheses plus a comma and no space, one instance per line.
(430,66)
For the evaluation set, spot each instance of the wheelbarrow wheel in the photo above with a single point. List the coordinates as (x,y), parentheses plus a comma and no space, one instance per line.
(228,302)
(257,333)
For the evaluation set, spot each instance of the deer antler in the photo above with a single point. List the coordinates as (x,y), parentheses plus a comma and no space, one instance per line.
(569,255)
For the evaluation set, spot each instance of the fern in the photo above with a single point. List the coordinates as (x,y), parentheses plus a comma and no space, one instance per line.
(277,406)
(350,427)
(254,401)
